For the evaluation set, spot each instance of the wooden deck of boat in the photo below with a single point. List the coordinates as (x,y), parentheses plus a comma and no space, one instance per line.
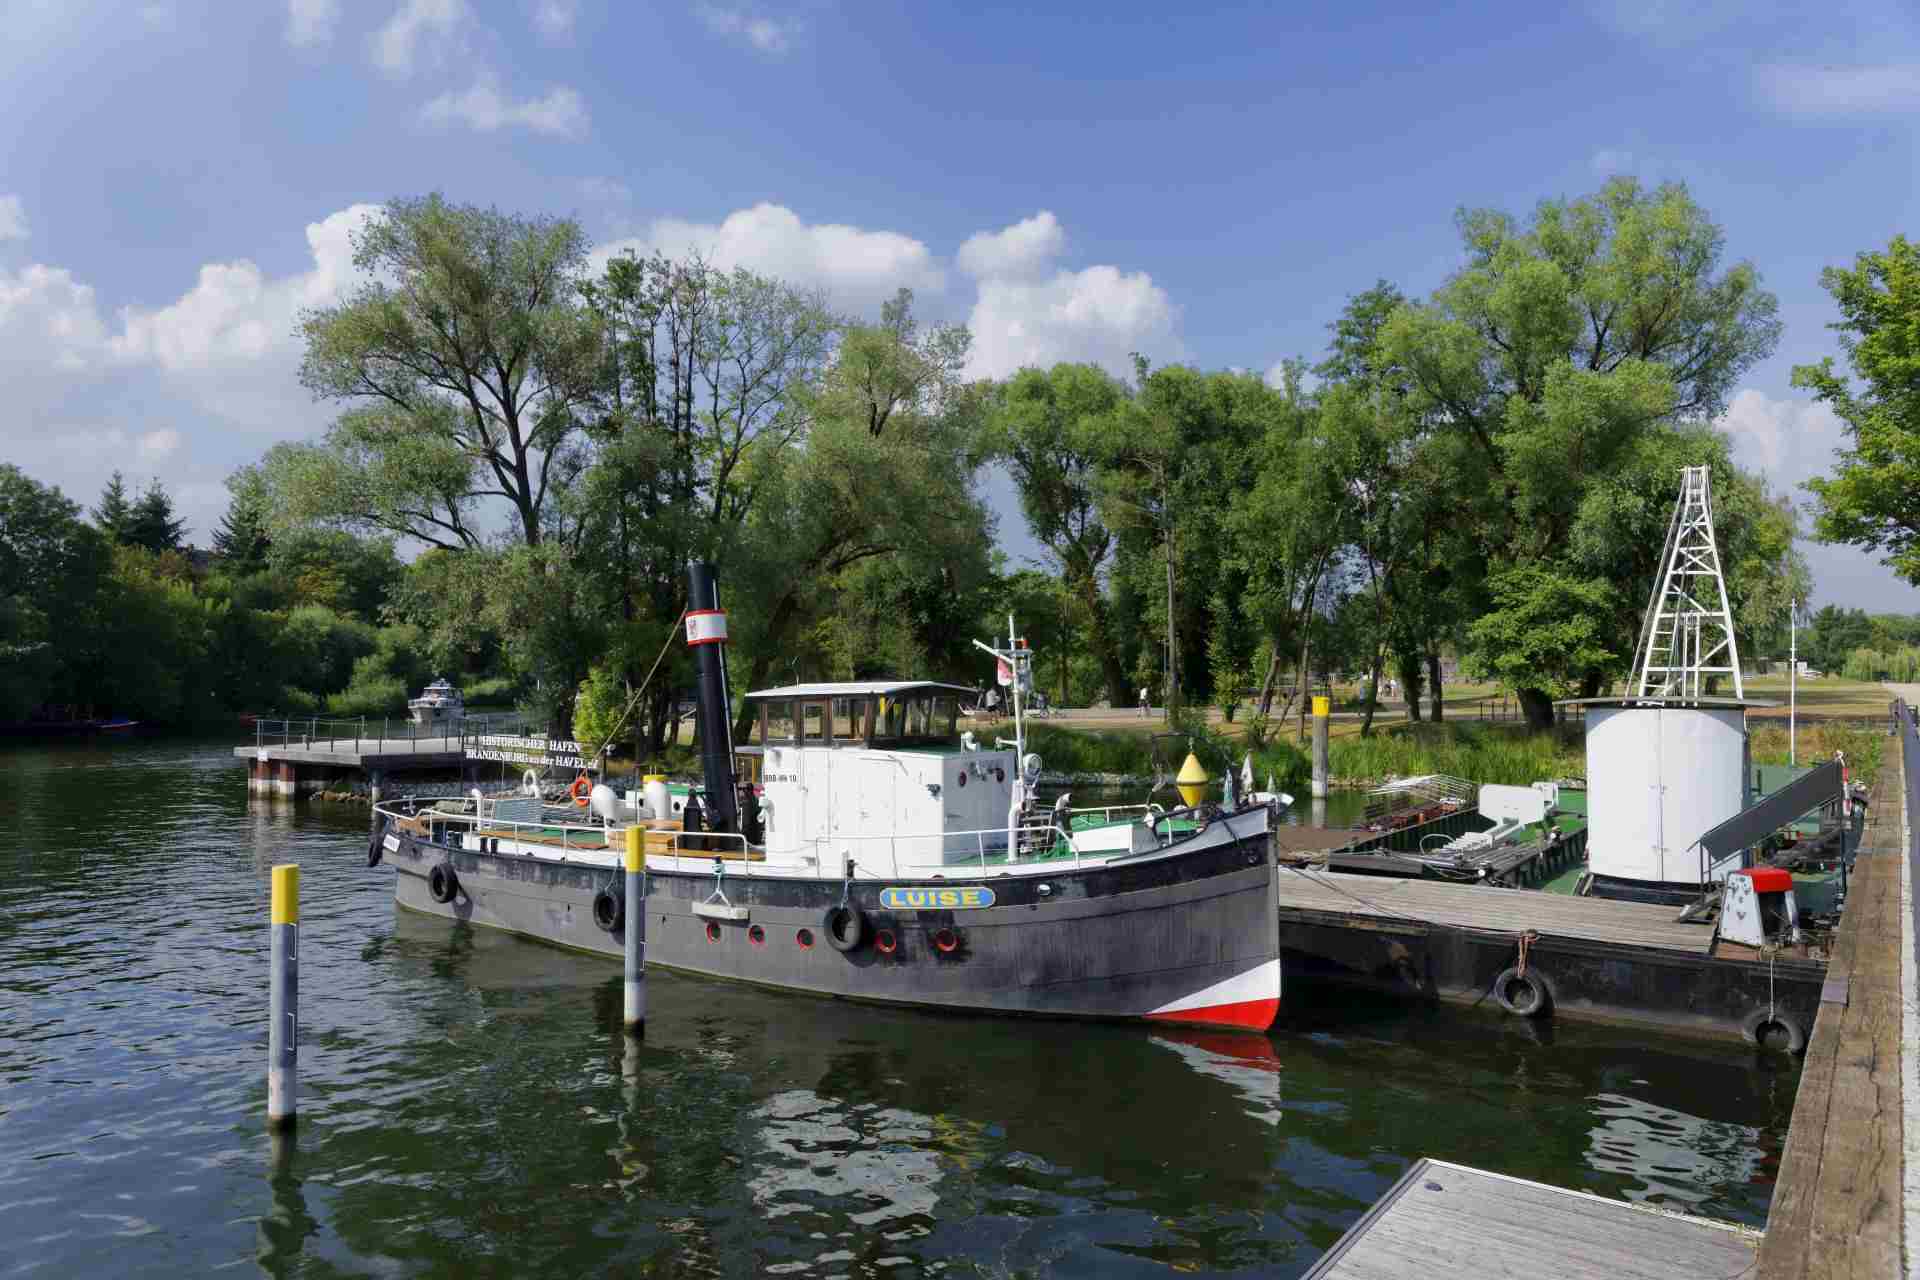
(1469,906)
(1838,1202)
(1442,1221)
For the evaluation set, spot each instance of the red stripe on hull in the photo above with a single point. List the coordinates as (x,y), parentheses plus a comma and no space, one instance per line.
(1247,1015)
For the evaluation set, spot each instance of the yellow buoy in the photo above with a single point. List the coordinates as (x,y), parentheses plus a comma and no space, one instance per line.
(1192,780)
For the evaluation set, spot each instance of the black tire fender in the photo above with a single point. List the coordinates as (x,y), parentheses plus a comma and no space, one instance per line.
(1525,995)
(846,927)
(610,909)
(377,846)
(1766,1027)
(443,884)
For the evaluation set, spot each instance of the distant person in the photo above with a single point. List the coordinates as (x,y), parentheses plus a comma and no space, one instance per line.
(992,700)
(1143,702)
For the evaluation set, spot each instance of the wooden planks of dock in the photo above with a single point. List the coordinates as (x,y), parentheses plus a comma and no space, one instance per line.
(1443,1220)
(1482,907)
(1837,1205)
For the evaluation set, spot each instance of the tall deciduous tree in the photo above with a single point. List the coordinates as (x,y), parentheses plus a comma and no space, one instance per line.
(465,362)
(1872,500)
(1053,429)
(1554,349)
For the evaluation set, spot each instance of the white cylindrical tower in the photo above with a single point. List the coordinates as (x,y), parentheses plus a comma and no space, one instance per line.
(1659,778)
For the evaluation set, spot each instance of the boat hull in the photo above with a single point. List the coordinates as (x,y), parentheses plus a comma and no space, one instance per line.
(1186,938)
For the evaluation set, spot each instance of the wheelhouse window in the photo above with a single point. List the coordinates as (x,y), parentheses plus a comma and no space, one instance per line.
(917,719)
(814,721)
(777,723)
(850,720)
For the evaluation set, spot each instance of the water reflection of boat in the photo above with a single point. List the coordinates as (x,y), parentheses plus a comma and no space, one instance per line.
(1674,1156)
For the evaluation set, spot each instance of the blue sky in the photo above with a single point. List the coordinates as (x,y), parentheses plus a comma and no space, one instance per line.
(178,179)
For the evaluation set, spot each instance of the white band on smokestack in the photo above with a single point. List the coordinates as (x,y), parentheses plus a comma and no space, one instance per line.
(706,626)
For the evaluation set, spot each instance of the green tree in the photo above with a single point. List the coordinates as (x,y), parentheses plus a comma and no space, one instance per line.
(244,534)
(114,515)
(1053,429)
(705,387)
(1554,350)
(51,570)
(152,524)
(1546,628)
(1872,500)
(465,362)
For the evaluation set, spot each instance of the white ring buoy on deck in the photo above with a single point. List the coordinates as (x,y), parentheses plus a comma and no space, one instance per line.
(530,783)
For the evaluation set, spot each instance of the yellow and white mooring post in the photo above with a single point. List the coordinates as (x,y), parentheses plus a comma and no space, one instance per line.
(636,913)
(283,999)
(1322,713)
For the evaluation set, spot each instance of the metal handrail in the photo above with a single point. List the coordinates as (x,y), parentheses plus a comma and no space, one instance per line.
(410,808)
(306,730)
(980,836)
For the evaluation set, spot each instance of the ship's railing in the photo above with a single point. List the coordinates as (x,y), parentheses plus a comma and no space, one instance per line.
(1132,812)
(574,837)
(1037,835)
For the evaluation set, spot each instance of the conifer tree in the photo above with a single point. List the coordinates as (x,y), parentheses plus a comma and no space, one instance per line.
(114,515)
(152,524)
(241,539)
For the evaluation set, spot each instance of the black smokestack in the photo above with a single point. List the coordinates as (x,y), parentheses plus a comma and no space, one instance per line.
(707,636)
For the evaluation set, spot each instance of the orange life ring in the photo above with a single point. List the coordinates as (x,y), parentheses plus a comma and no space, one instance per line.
(581,790)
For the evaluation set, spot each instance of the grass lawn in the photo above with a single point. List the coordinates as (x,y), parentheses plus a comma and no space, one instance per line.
(1823,699)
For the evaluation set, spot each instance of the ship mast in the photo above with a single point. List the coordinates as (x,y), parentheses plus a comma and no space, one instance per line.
(1014,657)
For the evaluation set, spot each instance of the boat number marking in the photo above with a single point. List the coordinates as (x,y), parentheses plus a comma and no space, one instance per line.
(935,899)
(392,842)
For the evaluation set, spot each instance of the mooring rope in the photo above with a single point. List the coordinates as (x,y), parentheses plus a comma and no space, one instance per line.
(673,633)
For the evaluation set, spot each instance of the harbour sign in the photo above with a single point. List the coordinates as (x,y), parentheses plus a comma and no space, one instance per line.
(528,750)
(965,899)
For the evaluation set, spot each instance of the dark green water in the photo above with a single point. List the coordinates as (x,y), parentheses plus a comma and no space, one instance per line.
(470,1107)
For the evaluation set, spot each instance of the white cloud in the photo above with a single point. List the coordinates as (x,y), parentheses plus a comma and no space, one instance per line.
(13,218)
(1608,161)
(88,392)
(236,316)
(1786,440)
(553,19)
(310,23)
(562,112)
(413,30)
(1100,315)
(1840,90)
(1021,251)
(159,444)
(768,35)
(49,324)
(857,268)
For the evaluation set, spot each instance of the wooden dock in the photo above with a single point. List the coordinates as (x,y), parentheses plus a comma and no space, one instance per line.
(1535,953)
(1481,907)
(302,756)
(1838,1203)
(1442,1221)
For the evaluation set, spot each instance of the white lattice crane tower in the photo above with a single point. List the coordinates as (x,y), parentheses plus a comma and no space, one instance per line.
(1688,634)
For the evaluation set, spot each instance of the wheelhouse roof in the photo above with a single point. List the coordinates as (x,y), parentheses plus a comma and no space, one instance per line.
(860,688)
